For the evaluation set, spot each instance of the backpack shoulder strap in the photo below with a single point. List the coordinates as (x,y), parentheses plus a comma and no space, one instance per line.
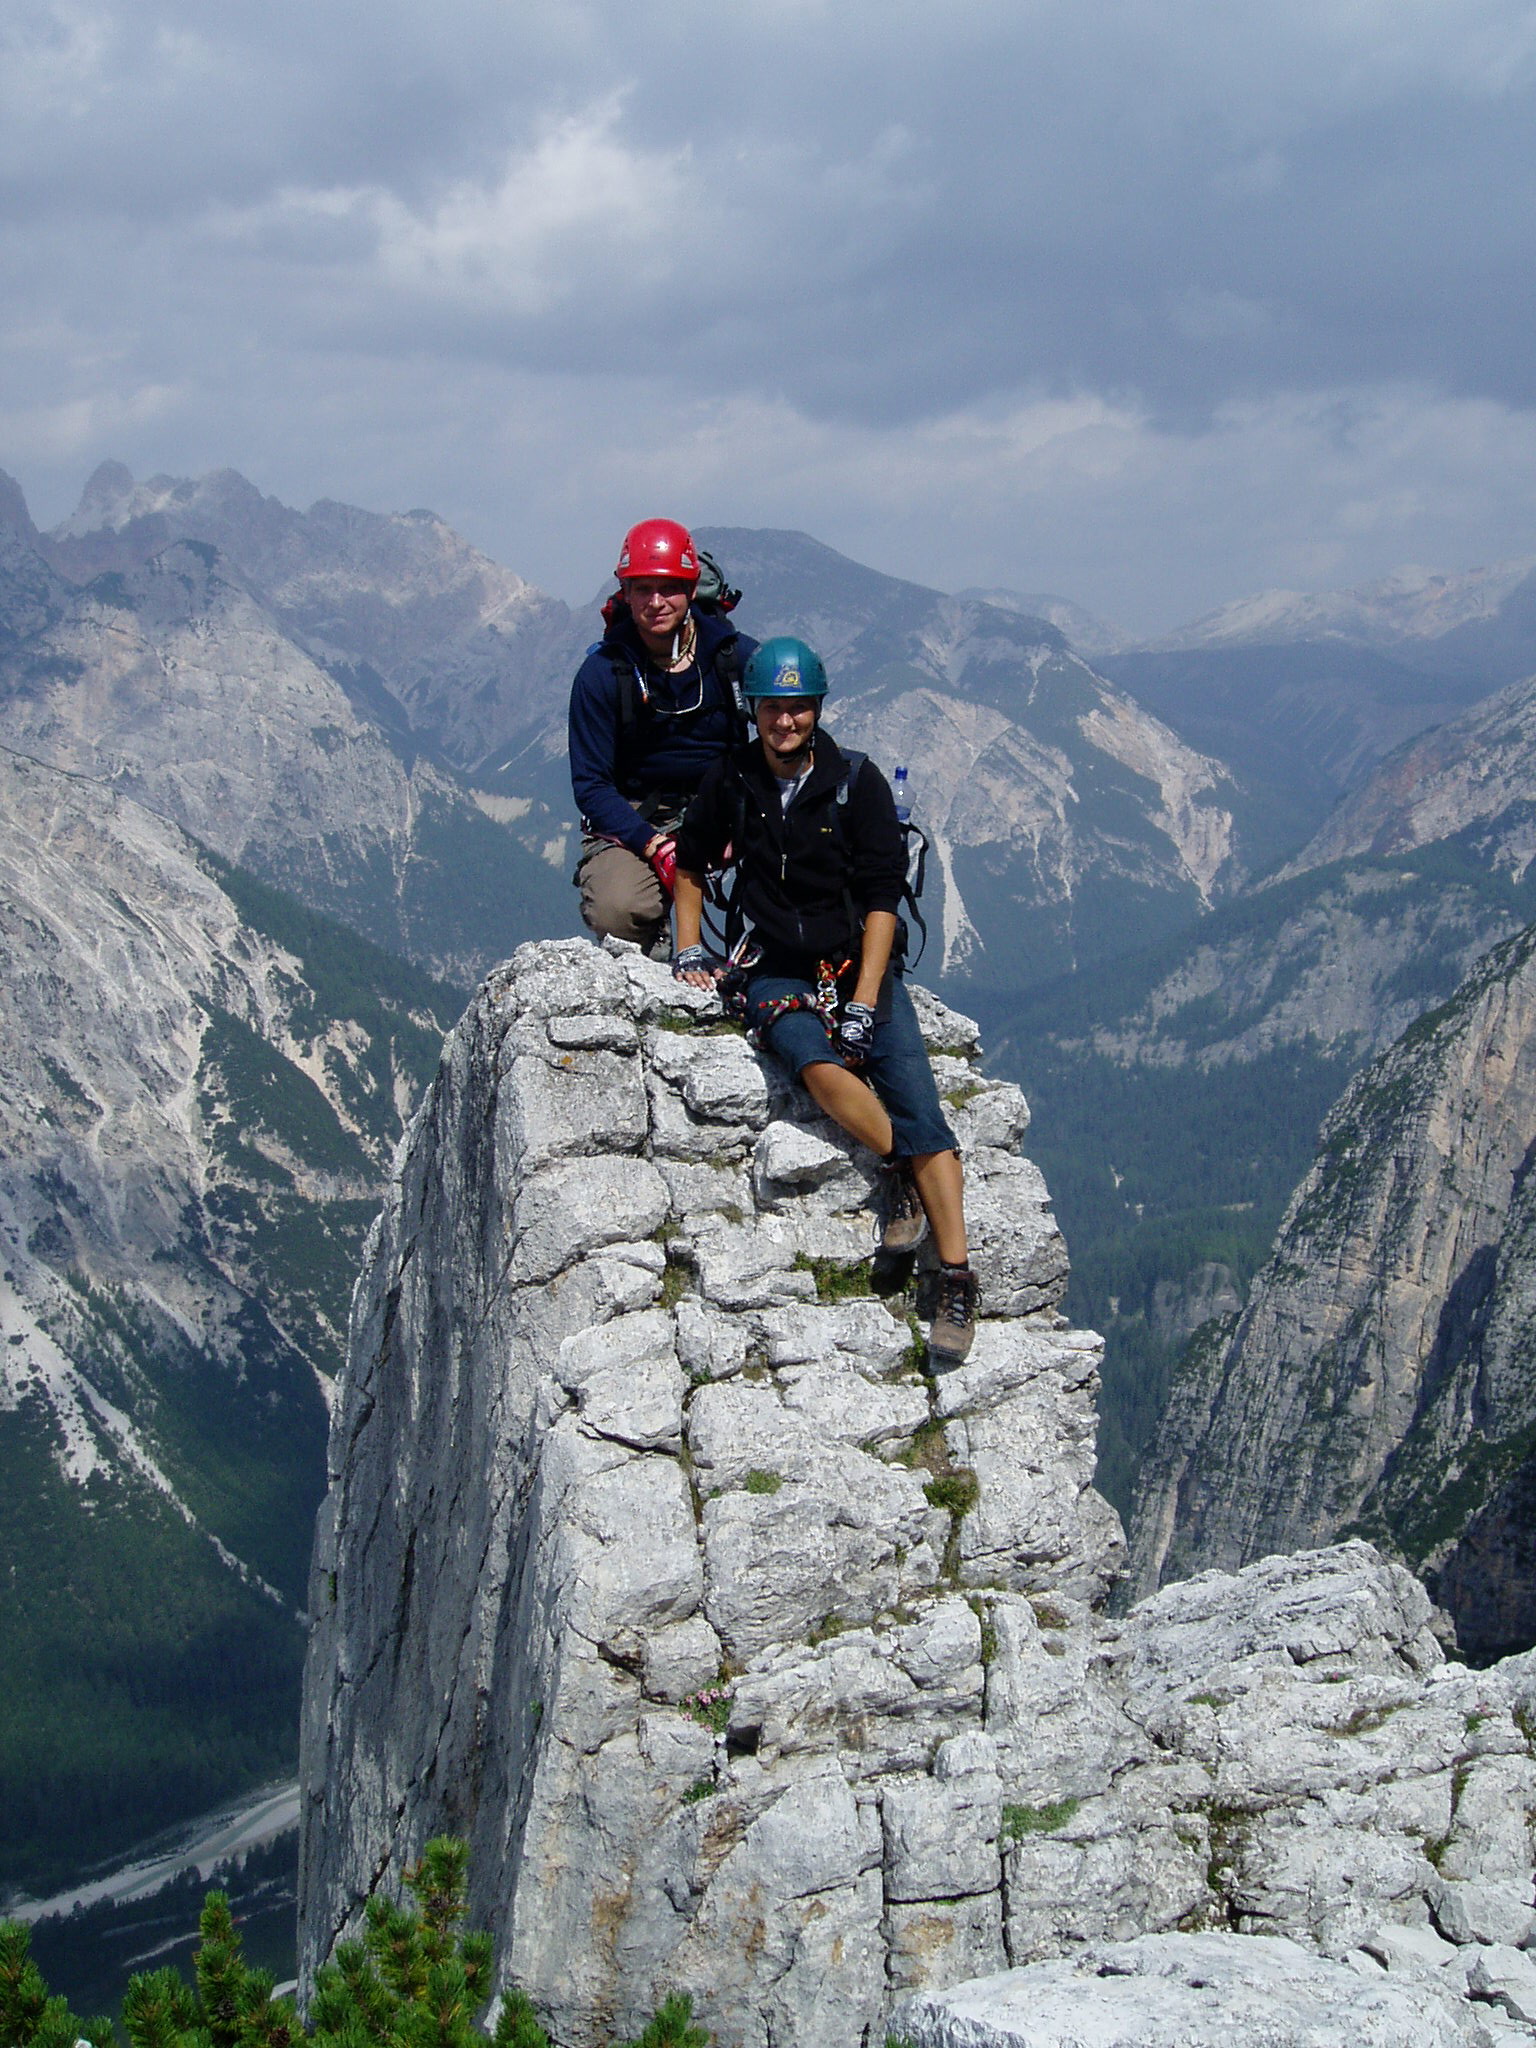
(728,671)
(632,694)
(912,887)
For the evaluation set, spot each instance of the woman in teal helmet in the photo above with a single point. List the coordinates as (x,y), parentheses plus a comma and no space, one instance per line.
(822,864)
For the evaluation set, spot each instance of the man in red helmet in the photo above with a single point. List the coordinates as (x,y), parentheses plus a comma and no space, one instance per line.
(653,704)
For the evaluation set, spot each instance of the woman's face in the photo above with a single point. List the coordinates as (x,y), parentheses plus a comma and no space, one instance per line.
(785,725)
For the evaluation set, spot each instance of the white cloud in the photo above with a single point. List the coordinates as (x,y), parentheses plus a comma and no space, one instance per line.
(579,186)
(556,215)
(71,431)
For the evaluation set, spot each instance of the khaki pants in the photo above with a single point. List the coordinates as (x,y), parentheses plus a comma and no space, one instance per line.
(622,898)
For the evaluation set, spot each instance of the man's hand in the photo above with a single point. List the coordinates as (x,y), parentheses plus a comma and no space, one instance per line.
(698,967)
(856,1033)
(662,855)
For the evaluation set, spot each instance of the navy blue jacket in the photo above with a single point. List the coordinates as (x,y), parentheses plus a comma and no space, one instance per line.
(809,877)
(669,743)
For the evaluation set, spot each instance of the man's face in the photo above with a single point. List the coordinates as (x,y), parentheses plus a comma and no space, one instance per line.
(658,605)
(785,726)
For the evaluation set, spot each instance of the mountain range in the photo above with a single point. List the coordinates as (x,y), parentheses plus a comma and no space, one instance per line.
(1057,810)
(201,1084)
(281,785)
(1380,1378)
(1304,696)
(367,710)
(168,675)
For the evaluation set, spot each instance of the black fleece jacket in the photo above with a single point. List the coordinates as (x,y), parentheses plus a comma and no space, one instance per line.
(811,874)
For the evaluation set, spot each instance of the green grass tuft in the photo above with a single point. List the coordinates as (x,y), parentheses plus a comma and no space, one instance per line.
(956,1492)
(1019,1821)
(834,1280)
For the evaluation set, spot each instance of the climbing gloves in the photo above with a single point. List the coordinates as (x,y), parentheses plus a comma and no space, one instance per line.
(697,960)
(856,1033)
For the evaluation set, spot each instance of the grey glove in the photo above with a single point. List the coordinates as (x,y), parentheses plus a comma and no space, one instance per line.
(856,1033)
(697,960)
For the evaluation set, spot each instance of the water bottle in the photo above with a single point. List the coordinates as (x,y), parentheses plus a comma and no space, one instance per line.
(902,794)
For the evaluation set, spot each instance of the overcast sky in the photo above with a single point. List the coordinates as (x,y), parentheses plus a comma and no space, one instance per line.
(1149,303)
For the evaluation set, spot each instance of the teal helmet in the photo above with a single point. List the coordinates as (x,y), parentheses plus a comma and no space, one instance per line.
(784,667)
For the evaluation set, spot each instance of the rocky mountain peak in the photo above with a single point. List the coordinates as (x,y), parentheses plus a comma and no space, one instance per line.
(1411,603)
(470,651)
(113,500)
(758,1664)
(13,508)
(106,498)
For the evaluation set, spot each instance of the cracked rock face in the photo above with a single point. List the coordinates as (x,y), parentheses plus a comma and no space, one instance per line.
(624,1425)
(756,1665)
(1198,1991)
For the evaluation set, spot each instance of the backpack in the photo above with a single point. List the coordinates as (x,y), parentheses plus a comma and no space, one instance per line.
(728,900)
(713,592)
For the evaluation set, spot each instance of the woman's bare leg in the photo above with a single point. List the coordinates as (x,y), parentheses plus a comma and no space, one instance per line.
(940,1189)
(849,1102)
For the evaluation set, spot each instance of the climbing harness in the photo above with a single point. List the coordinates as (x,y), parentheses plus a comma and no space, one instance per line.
(825,1003)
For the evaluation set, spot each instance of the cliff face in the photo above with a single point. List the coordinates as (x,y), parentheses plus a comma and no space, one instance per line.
(1381,1375)
(755,1664)
(200,1090)
(622,1418)
(1472,777)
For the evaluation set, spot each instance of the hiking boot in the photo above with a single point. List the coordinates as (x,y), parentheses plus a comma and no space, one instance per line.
(954,1316)
(903,1224)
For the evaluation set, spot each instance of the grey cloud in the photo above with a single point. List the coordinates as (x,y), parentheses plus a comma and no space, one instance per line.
(349,247)
(918,210)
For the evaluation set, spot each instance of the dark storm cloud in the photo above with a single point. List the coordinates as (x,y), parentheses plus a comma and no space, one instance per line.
(1200,228)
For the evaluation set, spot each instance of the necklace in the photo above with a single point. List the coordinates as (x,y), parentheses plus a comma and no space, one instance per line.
(687,641)
(678,669)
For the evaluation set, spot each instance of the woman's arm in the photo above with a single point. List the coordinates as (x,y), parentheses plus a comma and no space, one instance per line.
(874,955)
(688,903)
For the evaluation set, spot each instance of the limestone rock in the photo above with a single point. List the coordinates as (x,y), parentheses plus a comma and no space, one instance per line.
(1380,1378)
(636,1567)
(756,1664)
(1188,1991)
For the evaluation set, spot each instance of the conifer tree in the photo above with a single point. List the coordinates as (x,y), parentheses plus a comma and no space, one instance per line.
(412,1981)
(29,2018)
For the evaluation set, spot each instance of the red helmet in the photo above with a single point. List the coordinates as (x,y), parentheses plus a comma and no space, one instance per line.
(658,547)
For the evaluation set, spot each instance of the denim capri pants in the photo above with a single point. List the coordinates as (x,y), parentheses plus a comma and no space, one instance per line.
(897,1068)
